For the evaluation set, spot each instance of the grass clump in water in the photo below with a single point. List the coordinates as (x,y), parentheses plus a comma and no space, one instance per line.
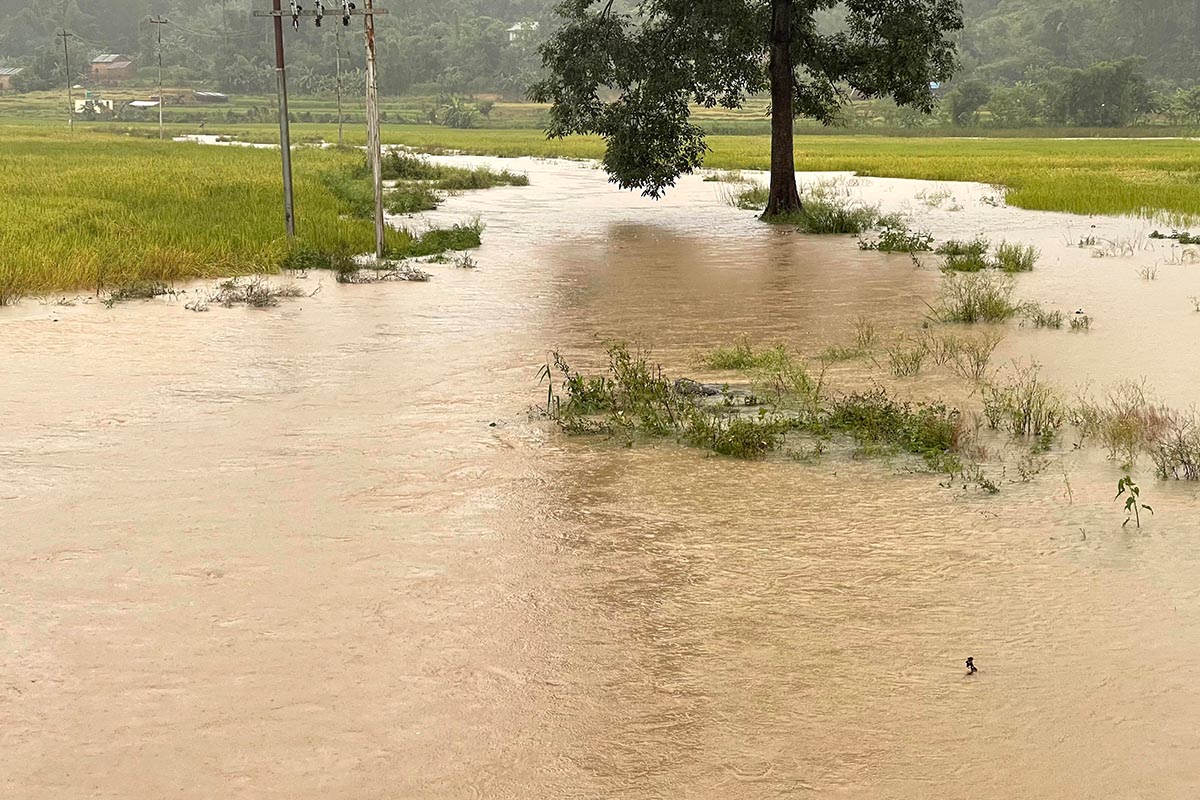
(741,357)
(411,199)
(1011,257)
(439,240)
(975,297)
(894,238)
(1126,421)
(832,216)
(1039,317)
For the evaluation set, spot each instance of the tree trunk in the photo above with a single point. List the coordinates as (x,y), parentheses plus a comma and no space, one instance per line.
(784,197)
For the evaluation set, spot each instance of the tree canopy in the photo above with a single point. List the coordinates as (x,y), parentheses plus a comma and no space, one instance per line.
(629,72)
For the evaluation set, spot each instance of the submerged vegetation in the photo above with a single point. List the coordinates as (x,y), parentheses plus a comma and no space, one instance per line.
(421,184)
(635,399)
(976,297)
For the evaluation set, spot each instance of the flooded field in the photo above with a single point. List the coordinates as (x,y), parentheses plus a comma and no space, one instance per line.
(326,551)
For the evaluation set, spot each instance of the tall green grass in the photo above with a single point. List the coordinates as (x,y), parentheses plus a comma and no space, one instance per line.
(88,211)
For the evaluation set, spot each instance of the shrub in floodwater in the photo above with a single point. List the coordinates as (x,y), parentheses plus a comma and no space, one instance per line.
(254,292)
(1025,405)
(411,199)
(971,357)
(1039,317)
(440,240)
(1126,421)
(140,290)
(1081,322)
(386,272)
(401,166)
(899,239)
(1011,257)
(876,420)
(906,357)
(865,333)
(1176,453)
(737,436)
(975,297)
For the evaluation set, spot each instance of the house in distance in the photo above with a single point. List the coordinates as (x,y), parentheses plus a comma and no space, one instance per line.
(112,68)
(6,77)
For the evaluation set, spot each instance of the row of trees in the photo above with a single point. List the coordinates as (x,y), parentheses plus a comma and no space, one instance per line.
(426,46)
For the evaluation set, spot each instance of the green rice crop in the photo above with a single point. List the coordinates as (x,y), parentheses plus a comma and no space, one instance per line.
(87,210)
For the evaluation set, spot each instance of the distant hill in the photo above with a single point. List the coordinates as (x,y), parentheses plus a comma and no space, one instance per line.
(456,46)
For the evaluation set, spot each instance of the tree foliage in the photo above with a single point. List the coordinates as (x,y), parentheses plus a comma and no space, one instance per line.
(629,72)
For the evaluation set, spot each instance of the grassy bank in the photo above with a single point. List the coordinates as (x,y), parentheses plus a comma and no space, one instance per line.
(93,211)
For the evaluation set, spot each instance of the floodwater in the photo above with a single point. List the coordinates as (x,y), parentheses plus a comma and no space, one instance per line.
(324,551)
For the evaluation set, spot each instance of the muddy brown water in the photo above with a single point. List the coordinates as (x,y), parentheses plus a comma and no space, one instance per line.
(286,554)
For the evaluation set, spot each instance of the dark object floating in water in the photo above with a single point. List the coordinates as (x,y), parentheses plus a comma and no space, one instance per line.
(971,670)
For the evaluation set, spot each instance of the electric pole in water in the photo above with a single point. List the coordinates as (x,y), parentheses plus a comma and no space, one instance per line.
(67,68)
(374,148)
(158,22)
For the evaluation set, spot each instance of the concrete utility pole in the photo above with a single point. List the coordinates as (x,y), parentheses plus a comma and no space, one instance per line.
(374,147)
(337,34)
(67,68)
(158,22)
(374,150)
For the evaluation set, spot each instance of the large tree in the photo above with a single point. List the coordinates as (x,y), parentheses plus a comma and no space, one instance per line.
(629,72)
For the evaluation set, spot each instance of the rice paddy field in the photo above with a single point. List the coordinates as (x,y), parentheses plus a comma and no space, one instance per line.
(1149,177)
(90,210)
(109,204)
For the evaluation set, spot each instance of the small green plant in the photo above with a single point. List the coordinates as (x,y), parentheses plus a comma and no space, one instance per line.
(1149,273)
(1012,257)
(1133,501)
(1081,322)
